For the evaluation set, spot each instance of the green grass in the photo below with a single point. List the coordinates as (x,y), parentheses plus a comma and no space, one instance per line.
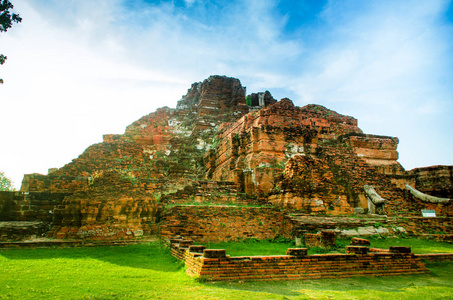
(418,246)
(252,247)
(148,271)
(269,247)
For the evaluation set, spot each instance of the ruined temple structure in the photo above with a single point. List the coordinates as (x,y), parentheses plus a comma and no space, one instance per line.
(222,147)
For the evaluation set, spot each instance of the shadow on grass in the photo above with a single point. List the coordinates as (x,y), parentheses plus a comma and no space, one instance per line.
(153,256)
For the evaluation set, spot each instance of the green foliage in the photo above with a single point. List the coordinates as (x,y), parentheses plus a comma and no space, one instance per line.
(274,165)
(378,224)
(6,18)
(158,197)
(202,279)
(248,100)
(236,137)
(6,21)
(5,183)
(215,142)
(125,175)
(283,240)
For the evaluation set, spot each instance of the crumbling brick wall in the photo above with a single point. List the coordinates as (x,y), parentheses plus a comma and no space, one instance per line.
(435,180)
(224,223)
(421,225)
(29,206)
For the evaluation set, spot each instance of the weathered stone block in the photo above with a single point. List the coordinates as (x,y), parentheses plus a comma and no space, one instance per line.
(197,248)
(176,239)
(214,253)
(328,238)
(400,249)
(360,242)
(185,243)
(312,239)
(357,250)
(297,251)
(359,210)
(137,232)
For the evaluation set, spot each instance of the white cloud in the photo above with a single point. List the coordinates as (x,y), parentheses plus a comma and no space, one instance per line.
(387,67)
(61,94)
(189,3)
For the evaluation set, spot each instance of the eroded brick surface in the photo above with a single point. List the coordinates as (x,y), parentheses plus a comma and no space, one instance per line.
(224,223)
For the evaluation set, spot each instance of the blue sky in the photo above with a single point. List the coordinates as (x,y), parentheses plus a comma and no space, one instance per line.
(78,69)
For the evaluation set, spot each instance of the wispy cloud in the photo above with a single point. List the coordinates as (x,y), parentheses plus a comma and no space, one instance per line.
(387,64)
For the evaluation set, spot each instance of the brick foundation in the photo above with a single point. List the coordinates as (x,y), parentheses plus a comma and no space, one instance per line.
(215,265)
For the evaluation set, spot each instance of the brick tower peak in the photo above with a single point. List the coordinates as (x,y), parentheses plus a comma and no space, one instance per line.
(214,92)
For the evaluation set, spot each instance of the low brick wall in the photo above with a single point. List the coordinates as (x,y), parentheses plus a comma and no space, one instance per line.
(224,223)
(435,257)
(215,265)
(421,225)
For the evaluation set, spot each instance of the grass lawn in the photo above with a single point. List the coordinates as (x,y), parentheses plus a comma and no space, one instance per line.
(148,271)
(254,247)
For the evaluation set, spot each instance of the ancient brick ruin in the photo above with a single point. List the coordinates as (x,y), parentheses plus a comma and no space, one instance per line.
(223,166)
(215,265)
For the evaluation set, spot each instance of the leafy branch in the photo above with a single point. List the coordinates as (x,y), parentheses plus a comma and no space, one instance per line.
(6,21)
